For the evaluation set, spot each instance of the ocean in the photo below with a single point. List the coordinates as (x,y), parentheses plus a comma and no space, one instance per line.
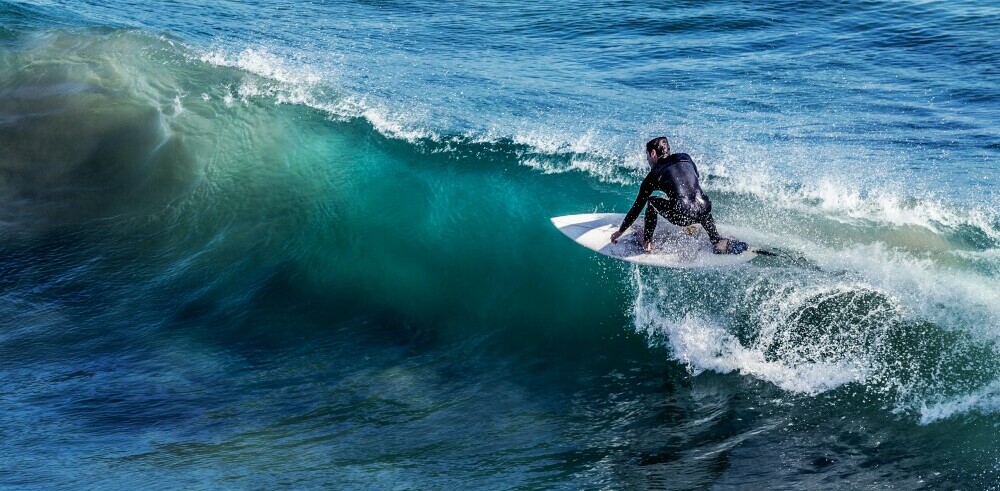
(306,245)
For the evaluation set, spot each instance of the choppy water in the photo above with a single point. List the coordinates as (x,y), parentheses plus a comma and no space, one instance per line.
(307,245)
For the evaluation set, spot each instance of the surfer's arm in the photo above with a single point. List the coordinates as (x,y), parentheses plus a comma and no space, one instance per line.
(645,191)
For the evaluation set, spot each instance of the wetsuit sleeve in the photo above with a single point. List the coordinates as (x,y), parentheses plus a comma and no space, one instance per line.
(645,191)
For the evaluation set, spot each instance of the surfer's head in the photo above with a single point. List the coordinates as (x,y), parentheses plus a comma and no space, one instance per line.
(657,148)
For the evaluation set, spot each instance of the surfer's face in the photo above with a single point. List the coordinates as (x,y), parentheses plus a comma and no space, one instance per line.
(651,157)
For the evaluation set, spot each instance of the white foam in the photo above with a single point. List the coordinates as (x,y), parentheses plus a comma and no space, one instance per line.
(554,141)
(923,289)
(989,257)
(298,84)
(703,344)
(177,107)
(844,202)
(262,62)
(591,167)
(865,292)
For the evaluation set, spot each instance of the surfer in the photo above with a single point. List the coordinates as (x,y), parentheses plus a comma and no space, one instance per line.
(685,203)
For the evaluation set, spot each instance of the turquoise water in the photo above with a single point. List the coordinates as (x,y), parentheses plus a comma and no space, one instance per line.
(307,246)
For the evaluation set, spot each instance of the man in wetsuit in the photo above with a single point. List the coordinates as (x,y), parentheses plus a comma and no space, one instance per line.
(685,204)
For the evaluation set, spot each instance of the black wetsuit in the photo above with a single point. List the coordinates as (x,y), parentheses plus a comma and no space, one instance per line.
(685,204)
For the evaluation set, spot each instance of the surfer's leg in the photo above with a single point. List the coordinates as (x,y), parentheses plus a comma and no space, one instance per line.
(721,245)
(656,206)
(708,223)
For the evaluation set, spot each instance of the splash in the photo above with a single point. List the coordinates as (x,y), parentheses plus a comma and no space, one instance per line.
(814,330)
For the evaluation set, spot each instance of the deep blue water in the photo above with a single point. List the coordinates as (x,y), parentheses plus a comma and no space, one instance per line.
(306,245)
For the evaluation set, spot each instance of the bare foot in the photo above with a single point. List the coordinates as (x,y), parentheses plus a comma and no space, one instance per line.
(647,245)
(722,246)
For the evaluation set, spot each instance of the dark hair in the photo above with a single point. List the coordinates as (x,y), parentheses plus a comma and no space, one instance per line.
(660,144)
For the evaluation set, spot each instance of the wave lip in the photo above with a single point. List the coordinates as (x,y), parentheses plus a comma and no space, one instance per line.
(291,83)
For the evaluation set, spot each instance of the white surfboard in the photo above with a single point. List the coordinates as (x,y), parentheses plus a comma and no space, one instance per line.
(673,247)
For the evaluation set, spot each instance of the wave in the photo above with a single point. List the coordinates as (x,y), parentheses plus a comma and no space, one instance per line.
(86,139)
(870,304)
(554,150)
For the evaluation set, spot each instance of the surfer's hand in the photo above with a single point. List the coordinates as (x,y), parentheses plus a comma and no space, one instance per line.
(615,236)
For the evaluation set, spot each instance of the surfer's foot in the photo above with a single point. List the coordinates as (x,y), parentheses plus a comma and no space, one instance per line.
(647,245)
(721,246)
(730,246)
(691,229)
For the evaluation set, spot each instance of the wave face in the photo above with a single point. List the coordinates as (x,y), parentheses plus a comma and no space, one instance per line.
(290,245)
